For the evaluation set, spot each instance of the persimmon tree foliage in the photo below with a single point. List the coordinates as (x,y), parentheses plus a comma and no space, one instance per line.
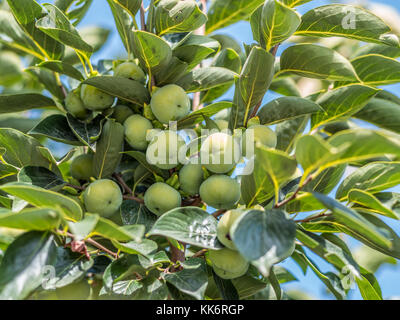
(104,222)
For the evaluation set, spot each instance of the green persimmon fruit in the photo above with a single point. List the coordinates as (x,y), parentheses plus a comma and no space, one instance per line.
(95,99)
(121,113)
(220,192)
(161,197)
(166,149)
(223,125)
(75,291)
(103,197)
(75,106)
(224,227)
(130,70)
(228,264)
(261,133)
(82,167)
(136,129)
(170,103)
(220,152)
(190,178)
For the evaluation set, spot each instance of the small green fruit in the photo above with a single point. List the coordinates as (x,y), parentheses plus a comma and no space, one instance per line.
(75,291)
(166,149)
(95,99)
(228,264)
(136,128)
(190,178)
(220,192)
(75,106)
(103,197)
(161,197)
(224,227)
(130,70)
(121,113)
(220,152)
(170,103)
(82,167)
(261,133)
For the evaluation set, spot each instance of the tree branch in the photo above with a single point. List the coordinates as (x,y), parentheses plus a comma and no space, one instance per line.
(142,17)
(218,213)
(321,215)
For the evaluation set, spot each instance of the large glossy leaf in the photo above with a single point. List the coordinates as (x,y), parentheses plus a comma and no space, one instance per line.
(31,219)
(342,102)
(223,13)
(315,61)
(62,68)
(253,83)
(369,286)
(206,78)
(23,265)
(48,80)
(173,16)
(153,52)
(294,3)
(288,131)
(192,280)
(123,88)
(41,177)
(264,237)
(27,12)
(20,149)
(286,108)
(273,23)
(338,20)
(56,25)
(131,6)
(382,113)
(191,225)
(87,133)
(10,103)
(56,127)
(110,230)
(40,197)
(373,177)
(108,149)
(135,213)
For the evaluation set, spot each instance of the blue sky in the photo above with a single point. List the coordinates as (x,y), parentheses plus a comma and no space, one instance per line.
(388,276)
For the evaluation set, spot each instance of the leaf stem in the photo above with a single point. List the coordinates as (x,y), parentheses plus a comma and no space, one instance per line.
(295,194)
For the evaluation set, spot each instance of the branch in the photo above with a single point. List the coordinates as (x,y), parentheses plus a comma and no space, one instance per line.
(75,187)
(142,17)
(218,213)
(127,190)
(294,195)
(138,200)
(321,215)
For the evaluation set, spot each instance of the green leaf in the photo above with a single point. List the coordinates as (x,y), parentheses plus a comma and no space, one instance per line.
(338,20)
(56,127)
(108,149)
(198,115)
(191,225)
(373,48)
(294,3)
(20,149)
(171,73)
(194,48)
(273,280)
(315,61)
(84,227)
(206,78)
(342,102)
(127,287)
(356,222)
(10,103)
(56,25)
(40,197)
(369,286)
(367,200)
(7,170)
(286,108)
(329,251)
(264,237)
(223,13)
(87,133)
(131,6)
(153,52)
(382,113)
(277,23)
(141,158)
(304,202)
(145,247)
(123,88)
(123,23)
(136,213)
(69,267)
(327,180)
(373,177)
(285,86)
(225,288)
(288,131)
(27,12)
(109,230)
(41,177)
(21,269)
(31,219)
(62,68)
(174,16)
(48,80)
(252,85)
